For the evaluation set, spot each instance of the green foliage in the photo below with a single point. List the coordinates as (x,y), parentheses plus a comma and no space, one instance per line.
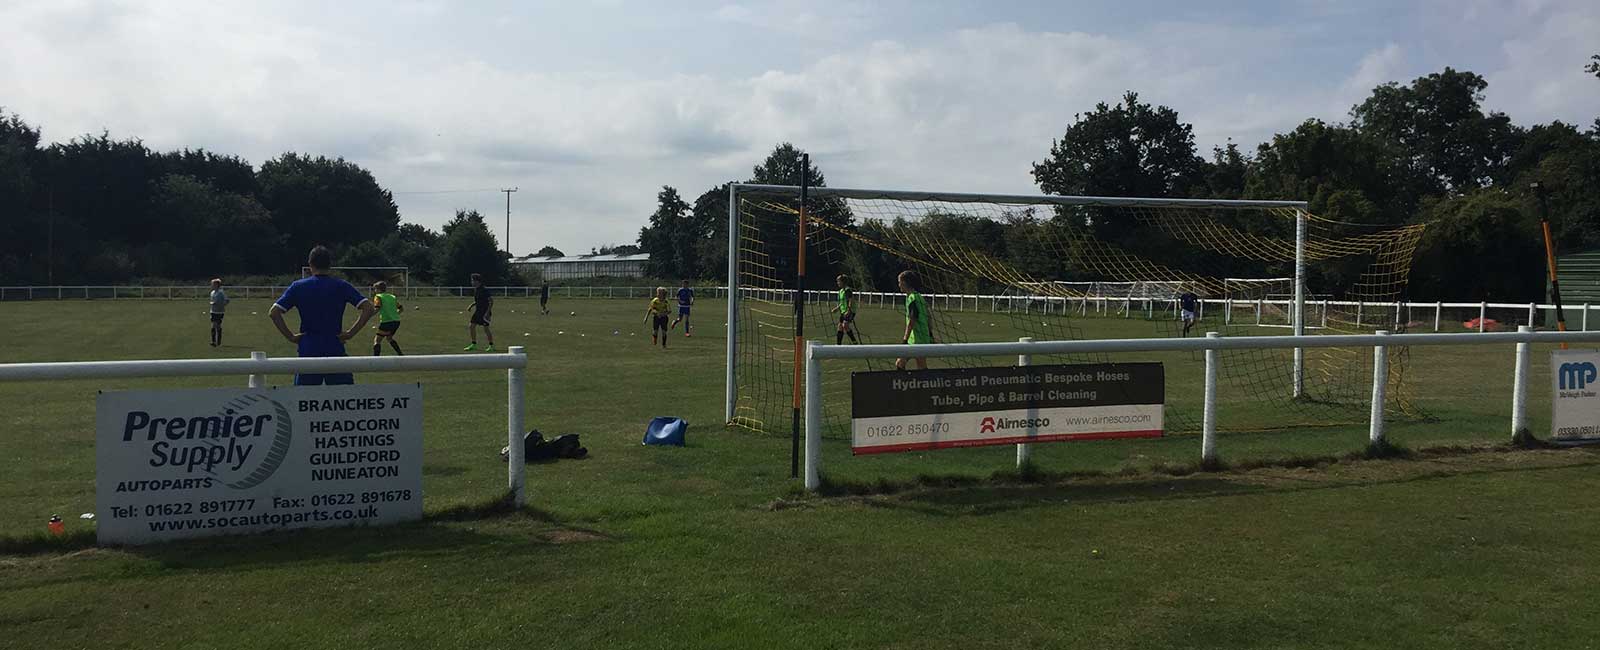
(324,201)
(1130,149)
(468,247)
(550,251)
(1472,244)
(668,238)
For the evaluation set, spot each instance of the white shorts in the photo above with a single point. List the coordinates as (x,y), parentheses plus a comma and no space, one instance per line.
(1187,315)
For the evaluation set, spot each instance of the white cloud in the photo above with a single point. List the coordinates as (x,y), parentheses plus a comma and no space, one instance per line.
(964,108)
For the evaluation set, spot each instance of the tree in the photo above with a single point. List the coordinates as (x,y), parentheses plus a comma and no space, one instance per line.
(223,232)
(23,228)
(468,247)
(1345,175)
(710,217)
(324,201)
(1480,246)
(662,239)
(1594,66)
(619,249)
(1439,130)
(550,251)
(1130,149)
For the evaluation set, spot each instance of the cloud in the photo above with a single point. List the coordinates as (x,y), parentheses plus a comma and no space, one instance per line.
(964,107)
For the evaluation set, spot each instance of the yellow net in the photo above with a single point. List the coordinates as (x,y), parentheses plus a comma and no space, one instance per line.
(999,271)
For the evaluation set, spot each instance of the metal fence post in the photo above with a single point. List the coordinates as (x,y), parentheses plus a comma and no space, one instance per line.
(258,381)
(1208,426)
(1519,386)
(1531,312)
(813,454)
(1024,450)
(516,460)
(1483,310)
(1438,308)
(1380,384)
(1585,317)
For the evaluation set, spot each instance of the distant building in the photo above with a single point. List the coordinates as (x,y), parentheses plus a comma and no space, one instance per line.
(576,267)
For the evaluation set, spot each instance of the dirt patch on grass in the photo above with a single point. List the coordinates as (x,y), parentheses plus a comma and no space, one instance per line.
(571,536)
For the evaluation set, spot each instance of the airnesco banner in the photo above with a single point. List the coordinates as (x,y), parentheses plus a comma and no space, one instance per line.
(173,464)
(1575,396)
(968,407)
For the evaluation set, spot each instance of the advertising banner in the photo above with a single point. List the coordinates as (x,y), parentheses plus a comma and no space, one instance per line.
(172,464)
(967,407)
(1575,396)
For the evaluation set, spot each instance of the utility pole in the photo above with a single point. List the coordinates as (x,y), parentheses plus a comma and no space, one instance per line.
(508,218)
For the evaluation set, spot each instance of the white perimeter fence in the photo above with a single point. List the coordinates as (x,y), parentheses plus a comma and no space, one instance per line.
(514,361)
(816,353)
(1262,311)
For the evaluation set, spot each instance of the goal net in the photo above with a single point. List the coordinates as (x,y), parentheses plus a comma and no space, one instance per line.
(1052,268)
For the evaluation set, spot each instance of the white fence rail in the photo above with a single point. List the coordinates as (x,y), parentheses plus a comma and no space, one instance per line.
(1391,314)
(817,353)
(514,361)
(269,291)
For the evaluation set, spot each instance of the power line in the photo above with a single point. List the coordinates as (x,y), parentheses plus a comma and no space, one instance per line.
(486,189)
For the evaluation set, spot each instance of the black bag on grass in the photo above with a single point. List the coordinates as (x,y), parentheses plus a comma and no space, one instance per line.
(535,447)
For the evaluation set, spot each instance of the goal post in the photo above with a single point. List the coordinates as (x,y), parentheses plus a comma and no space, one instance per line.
(1056,251)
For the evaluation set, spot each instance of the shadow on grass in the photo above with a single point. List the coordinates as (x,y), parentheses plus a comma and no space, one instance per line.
(495,525)
(1011,490)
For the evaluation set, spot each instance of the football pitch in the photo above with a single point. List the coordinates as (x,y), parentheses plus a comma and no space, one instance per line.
(1119,544)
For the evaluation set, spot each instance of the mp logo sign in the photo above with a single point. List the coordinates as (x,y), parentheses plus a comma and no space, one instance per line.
(1575,402)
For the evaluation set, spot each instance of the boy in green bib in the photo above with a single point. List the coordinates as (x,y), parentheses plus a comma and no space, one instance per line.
(919,323)
(847,312)
(389,309)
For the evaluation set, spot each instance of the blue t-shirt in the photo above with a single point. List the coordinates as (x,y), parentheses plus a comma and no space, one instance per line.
(685,296)
(321,300)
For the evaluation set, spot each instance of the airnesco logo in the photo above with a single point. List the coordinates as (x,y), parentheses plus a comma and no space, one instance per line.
(994,424)
(1576,376)
(240,445)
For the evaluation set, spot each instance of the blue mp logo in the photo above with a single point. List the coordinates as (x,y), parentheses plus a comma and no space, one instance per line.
(1576,376)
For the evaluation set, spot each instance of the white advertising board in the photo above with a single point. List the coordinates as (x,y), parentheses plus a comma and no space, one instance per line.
(1575,396)
(173,464)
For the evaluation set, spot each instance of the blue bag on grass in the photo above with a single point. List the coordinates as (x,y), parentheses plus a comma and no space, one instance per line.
(666,431)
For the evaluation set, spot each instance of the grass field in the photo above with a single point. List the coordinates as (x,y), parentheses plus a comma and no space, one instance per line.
(1118,546)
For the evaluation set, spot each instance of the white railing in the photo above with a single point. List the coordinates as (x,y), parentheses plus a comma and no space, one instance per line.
(514,361)
(816,353)
(269,291)
(1364,313)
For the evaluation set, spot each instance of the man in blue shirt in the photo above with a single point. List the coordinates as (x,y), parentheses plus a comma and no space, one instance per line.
(685,301)
(321,299)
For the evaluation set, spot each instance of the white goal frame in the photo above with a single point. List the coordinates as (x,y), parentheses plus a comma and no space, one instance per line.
(731,396)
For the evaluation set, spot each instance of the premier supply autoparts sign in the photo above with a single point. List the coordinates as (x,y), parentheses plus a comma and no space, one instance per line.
(1575,396)
(968,407)
(174,464)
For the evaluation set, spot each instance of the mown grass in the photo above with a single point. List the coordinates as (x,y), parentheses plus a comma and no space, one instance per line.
(1450,539)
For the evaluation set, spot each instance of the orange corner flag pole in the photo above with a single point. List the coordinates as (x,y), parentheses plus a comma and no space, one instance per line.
(1550,260)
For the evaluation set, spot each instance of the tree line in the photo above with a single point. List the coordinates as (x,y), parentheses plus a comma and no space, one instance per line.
(1422,152)
(101,210)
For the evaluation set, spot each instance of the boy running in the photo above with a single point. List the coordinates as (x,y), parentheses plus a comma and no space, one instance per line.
(482,305)
(847,312)
(656,315)
(1187,304)
(219,302)
(389,309)
(685,301)
(320,299)
(544,297)
(919,323)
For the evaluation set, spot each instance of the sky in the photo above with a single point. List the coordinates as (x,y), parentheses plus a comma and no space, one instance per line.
(588,108)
